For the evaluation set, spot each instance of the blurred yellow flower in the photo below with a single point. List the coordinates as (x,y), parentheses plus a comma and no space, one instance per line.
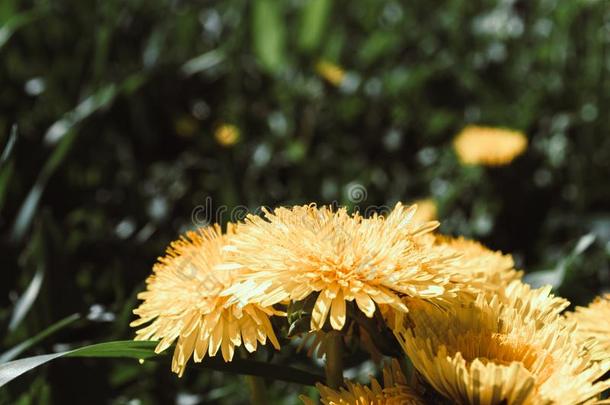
(292,253)
(184,302)
(333,73)
(514,349)
(594,322)
(426,210)
(395,391)
(227,135)
(489,146)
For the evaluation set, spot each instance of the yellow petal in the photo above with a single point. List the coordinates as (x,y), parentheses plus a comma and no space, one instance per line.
(227,347)
(320,310)
(337,312)
(201,347)
(216,338)
(365,303)
(248,333)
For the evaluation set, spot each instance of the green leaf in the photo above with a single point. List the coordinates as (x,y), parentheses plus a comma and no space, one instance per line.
(202,62)
(122,348)
(15,22)
(145,350)
(268,33)
(64,131)
(7,152)
(98,100)
(378,45)
(6,164)
(25,345)
(313,23)
(13,369)
(126,349)
(583,244)
(30,205)
(24,303)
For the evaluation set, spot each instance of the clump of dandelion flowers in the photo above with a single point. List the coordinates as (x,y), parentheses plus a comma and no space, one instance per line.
(291,253)
(488,146)
(184,302)
(511,350)
(396,390)
(593,321)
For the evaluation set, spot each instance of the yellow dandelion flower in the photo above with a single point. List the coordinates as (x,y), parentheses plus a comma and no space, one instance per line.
(292,253)
(395,391)
(511,350)
(477,268)
(594,322)
(333,73)
(489,146)
(426,210)
(227,135)
(184,302)
(486,269)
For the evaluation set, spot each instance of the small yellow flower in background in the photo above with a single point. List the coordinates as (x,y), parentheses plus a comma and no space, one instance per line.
(184,302)
(227,135)
(333,73)
(489,146)
(396,390)
(515,349)
(426,210)
(292,253)
(594,322)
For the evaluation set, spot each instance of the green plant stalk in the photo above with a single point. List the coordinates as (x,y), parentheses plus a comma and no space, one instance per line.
(334,359)
(258,390)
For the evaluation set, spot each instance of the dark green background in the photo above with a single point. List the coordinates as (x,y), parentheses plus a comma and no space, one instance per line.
(116,103)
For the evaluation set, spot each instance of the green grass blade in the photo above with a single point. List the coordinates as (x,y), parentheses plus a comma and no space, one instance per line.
(30,205)
(24,303)
(15,23)
(126,349)
(269,34)
(202,62)
(23,346)
(10,144)
(122,348)
(146,349)
(13,369)
(313,23)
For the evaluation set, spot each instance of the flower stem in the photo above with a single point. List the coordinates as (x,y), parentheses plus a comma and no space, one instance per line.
(258,390)
(334,359)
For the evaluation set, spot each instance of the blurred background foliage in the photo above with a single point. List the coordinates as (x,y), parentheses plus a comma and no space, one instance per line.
(136,120)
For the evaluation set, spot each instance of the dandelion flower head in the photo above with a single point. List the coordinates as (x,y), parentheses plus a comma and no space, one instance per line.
(183,301)
(513,350)
(593,321)
(291,253)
